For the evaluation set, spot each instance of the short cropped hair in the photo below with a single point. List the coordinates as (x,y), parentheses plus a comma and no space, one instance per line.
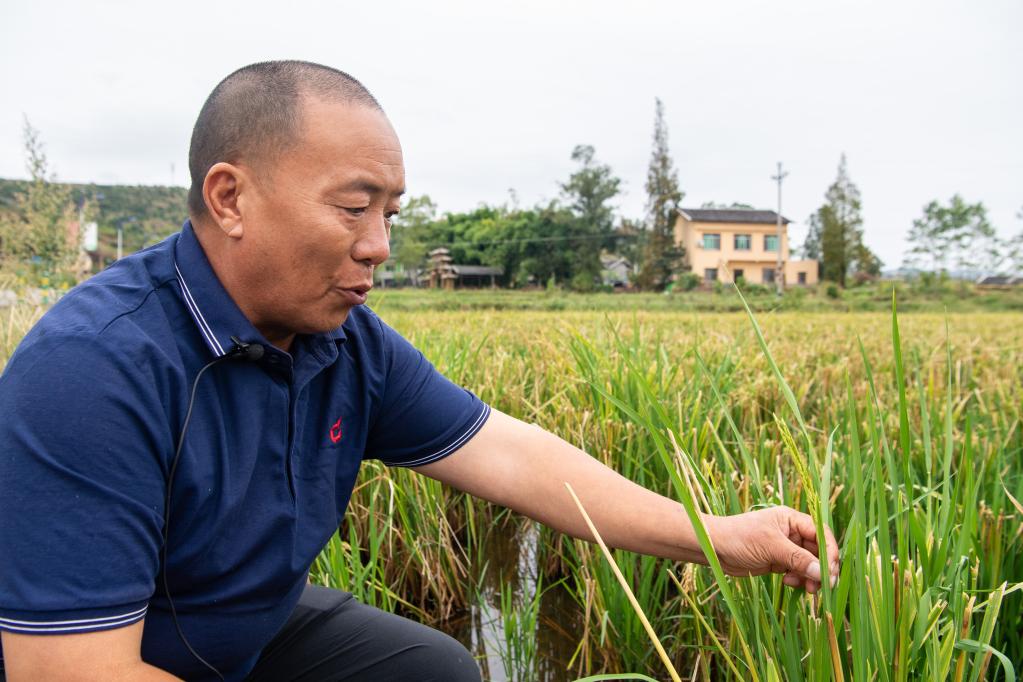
(254,114)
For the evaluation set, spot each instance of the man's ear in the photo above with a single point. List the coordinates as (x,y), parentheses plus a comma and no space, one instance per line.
(223,184)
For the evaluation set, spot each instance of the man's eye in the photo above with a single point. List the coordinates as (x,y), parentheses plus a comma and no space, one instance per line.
(355,211)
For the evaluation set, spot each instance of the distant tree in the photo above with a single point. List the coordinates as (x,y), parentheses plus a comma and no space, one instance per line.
(587,194)
(957,235)
(835,235)
(410,234)
(867,262)
(533,245)
(812,245)
(661,256)
(35,228)
(1013,250)
(541,248)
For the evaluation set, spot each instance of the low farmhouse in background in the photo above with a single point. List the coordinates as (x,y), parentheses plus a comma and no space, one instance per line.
(724,245)
(446,274)
(616,271)
(477,275)
(441,273)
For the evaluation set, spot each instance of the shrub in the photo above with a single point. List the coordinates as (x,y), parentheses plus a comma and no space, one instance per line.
(754,289)
(583,281)
(687,281)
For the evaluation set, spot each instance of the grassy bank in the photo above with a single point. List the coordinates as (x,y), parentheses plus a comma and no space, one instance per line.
(956,297)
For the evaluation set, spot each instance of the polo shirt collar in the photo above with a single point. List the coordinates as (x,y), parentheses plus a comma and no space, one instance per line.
(215,313)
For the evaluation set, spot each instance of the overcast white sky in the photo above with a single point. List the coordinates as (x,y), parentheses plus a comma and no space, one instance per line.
(925,98)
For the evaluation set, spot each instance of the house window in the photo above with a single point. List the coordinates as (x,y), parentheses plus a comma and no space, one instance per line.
(801,277)
(770,242)
(712,242)
(768,275)
(737,274)
(710,275)
(743,242)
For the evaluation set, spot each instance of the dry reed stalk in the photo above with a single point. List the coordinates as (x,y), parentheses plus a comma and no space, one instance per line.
(625,586)
(836,659)
(964,631)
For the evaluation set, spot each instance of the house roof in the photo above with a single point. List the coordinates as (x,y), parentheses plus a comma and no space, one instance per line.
(1000,280)
(731,215)
(610,261)
(478,270)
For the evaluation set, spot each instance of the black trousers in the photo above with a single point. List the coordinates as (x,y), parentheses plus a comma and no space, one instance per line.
(332,636)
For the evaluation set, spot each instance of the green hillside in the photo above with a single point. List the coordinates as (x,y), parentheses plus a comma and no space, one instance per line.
(148,213)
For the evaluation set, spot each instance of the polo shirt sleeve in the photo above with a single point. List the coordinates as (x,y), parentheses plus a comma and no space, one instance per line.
(81,487)
(422,416)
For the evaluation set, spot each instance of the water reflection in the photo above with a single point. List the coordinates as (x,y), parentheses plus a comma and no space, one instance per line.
(508,560)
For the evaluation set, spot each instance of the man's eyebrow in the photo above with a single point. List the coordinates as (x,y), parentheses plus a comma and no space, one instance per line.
(368,186)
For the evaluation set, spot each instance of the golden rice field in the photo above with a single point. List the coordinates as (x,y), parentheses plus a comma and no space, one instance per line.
(906,438)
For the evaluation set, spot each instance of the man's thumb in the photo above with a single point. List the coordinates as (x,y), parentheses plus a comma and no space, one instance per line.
(804,563)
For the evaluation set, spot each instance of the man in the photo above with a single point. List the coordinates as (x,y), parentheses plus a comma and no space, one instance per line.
(182,432)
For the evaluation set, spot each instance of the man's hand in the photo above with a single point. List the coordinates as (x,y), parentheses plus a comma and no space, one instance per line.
(773,540)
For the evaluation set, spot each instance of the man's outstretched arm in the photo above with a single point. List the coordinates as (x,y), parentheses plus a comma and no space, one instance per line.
(525,468)
(89,657)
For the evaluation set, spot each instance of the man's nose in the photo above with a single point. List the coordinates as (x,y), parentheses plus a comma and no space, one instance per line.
(373,246)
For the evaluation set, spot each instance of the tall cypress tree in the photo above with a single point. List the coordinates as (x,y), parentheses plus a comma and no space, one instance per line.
(836,233)
(661,255)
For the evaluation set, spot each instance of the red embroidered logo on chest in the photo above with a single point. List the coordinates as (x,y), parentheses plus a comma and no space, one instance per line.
(335,431)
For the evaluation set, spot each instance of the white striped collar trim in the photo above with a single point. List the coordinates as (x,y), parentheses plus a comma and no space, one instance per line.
(193,308)
(72,625)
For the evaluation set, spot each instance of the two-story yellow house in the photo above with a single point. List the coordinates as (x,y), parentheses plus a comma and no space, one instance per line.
(724,245)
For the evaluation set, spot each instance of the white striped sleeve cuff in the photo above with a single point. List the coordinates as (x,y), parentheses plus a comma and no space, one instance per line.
(56,627)
(466,436)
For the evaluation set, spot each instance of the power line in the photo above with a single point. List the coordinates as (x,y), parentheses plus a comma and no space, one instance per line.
(540,240)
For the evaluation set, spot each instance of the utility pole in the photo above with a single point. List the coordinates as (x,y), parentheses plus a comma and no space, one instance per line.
(779,273)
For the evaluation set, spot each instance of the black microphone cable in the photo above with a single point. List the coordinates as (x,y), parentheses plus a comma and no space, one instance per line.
(241,351)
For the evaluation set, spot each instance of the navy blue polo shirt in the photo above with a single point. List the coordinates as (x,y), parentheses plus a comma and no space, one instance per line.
(92,403)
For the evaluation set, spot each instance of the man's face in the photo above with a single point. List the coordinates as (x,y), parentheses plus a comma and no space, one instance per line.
(319,220)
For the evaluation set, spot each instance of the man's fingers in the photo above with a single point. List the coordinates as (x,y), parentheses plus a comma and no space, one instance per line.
(795,580)
(811,546)
(792,580)
(832,547)
(802,562)
(803,524)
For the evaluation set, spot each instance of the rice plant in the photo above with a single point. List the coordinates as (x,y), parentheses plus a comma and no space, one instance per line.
(904,433)
(913,501)
(911,450)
